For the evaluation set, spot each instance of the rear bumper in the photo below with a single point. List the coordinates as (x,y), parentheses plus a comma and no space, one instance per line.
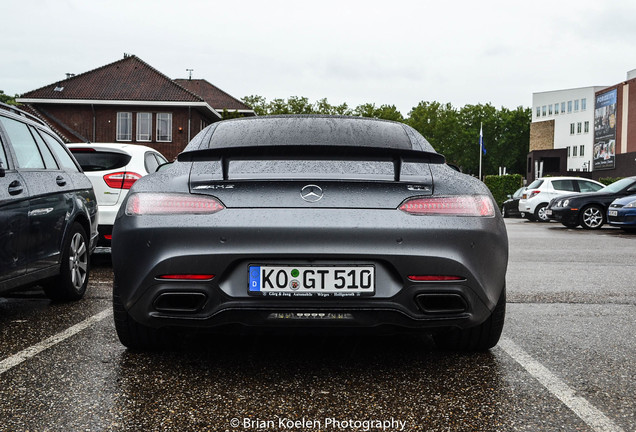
(224,244)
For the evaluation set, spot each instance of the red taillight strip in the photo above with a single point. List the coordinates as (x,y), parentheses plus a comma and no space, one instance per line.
(157,204)
(121,180)
(433,278)
(461,205)
(108,236)
(190,277)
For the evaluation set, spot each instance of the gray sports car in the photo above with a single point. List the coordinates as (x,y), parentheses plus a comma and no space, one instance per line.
(300,222)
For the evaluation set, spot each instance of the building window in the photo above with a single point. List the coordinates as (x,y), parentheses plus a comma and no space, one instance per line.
(576,105)
(568,151)
(562,107)
(164,127)
(124,126)
(571,128)
(550,109)
(569,106)
(578,128)
(544,110)
(583,104)
(587,127)
(582,150)
(574,150)
(144,126)
(538,112)
(556,108)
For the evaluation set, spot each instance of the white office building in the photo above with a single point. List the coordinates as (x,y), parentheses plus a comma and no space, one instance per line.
(571,116)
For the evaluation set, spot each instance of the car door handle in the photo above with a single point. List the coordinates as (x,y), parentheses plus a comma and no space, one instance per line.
(15,188)
(60,181)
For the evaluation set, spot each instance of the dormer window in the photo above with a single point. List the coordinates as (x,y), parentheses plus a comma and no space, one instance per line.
(58,89)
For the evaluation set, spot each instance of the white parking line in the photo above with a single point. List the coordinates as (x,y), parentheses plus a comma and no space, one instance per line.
(34,350)
(587,412)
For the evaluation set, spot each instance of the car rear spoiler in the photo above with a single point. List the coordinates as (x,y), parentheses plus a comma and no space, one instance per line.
(313,152)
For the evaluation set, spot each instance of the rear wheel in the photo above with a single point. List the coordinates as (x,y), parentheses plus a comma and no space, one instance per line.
(72,281)
(478,338)
(133,335)
(592,217)
(540,213)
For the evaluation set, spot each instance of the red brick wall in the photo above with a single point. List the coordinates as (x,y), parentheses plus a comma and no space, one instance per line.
(76,122)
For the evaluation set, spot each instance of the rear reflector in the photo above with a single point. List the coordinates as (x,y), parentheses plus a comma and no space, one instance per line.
(190,277)
(158,203)
(462,205)
(108,236)
(433,278)
(121,180)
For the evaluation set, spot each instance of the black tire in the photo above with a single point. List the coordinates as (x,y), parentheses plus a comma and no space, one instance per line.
(72,281)
(539,213)
(503,212)
(478,338)
(592,217)
(135,336)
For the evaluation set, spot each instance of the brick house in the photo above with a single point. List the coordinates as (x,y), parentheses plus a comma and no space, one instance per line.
(130,101)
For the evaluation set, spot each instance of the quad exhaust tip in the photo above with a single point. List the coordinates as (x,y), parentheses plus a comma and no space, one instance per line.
(439,303)
(180,302)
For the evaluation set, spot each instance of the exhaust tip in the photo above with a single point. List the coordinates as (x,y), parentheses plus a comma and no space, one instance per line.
(438,303)
(180,302)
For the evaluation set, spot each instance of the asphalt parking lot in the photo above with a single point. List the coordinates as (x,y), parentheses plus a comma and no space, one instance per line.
(565,362)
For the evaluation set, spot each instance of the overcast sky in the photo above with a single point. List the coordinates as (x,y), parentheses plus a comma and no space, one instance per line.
(383,52)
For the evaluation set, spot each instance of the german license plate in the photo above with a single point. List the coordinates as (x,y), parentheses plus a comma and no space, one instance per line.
(322,281)
(612,213)
(548,212)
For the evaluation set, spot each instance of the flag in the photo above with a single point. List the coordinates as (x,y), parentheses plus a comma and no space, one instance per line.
(481,138)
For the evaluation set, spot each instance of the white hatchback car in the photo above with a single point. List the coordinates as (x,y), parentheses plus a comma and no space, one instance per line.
(538,194)
(113,168)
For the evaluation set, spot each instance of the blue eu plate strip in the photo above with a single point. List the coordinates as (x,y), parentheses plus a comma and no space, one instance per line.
(255,278)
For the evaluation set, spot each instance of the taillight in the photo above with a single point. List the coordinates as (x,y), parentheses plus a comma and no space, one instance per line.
(121,180)
(433,278)
(160,203)
(533,193)
(187,277)
(462,205)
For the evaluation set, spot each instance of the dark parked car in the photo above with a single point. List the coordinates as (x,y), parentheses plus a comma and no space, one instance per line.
(622,213)
(48,211)
(589,209)
(510,207)
(296,222)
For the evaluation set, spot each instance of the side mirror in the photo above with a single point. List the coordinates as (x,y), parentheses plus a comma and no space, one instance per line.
(509,196)
(163,166)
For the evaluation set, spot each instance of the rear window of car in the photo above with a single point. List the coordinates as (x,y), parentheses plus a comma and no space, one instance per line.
(303,169)
(535,184)
(100,161)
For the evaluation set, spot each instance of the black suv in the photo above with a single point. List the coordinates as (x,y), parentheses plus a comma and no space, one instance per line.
(48,211)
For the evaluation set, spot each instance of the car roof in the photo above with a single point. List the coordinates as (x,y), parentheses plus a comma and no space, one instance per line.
(308,130)
(127,147)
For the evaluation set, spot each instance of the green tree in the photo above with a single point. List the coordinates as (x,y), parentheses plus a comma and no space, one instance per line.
(257,103)
(7,99)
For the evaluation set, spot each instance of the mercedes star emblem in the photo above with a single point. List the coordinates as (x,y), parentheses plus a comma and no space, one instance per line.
(311,193)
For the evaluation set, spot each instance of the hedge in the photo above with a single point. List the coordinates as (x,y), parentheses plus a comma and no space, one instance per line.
(502,186)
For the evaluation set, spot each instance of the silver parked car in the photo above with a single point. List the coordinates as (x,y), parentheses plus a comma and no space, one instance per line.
(295,222)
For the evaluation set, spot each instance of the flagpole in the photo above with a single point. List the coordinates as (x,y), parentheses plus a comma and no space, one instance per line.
(481,145)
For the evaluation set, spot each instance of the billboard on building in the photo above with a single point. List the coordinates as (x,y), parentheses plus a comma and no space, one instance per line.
(604,156)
